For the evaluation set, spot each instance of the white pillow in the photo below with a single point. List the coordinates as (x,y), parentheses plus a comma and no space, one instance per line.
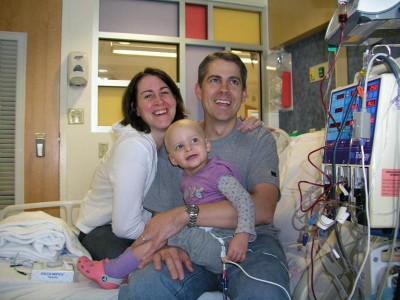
(281,137)
(294,167)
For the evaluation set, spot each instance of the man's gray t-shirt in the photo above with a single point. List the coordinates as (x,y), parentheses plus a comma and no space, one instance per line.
(253,153)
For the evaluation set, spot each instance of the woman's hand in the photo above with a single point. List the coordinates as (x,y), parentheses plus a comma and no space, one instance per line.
(249,124)
(161,227)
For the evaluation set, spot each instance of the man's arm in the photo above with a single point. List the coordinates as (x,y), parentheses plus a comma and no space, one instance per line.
(265,197)
(222,214)
(219,214)
(165,225)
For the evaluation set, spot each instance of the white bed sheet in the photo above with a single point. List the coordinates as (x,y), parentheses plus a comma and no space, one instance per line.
(17,286)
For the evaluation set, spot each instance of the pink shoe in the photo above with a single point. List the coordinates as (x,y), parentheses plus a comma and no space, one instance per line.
(94,270)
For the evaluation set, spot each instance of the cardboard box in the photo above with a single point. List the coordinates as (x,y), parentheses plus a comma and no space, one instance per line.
(57,271)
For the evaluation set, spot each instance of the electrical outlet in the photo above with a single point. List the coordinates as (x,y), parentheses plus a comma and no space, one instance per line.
(103,148)
(75,116)
(318,72)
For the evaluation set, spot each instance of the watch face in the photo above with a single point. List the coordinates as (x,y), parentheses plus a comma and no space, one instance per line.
(192,209)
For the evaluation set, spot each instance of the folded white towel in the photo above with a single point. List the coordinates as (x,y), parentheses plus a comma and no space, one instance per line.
(38,236)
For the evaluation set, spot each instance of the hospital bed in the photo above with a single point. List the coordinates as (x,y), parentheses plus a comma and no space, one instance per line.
(293,152)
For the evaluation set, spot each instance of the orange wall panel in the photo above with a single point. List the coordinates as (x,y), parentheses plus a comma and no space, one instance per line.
(196,22)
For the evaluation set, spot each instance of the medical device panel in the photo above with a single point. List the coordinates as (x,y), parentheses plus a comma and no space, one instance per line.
(378,155)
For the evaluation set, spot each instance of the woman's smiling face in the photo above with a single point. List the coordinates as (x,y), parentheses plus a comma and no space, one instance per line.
(156,104)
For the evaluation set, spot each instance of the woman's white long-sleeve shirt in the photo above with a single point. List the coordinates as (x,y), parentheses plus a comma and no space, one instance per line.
(119,185)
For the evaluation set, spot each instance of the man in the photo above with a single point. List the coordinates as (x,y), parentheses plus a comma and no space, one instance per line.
(221,88)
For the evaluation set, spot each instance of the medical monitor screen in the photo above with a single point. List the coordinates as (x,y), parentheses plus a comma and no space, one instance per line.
(339,146)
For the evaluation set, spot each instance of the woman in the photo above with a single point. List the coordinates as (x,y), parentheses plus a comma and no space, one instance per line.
(112,215)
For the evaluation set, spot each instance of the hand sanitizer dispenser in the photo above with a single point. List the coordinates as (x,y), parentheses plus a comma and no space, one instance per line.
(77,68)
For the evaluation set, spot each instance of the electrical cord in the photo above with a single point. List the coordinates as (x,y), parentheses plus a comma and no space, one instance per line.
(273,255)
(18,261)
(258,279)
(224,271)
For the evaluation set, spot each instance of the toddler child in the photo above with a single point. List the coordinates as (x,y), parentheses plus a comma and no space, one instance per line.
(204,181)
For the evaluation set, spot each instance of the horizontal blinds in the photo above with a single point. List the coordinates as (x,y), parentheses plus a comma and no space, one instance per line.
(8,86)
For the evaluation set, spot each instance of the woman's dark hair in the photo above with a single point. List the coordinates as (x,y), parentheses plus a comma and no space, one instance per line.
(225,55)
(129,100)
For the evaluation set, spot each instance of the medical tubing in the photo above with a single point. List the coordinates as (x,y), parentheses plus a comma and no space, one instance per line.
(353,98)
(388,59)
(360,271)
(314,184)
(330,68)
(333,191)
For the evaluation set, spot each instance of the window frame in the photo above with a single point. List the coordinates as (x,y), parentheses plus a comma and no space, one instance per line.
(182,42)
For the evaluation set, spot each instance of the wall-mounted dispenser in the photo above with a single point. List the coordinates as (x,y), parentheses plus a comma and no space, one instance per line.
(78,68)
(280,91)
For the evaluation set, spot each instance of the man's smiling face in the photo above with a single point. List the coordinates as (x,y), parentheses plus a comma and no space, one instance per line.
(221,91)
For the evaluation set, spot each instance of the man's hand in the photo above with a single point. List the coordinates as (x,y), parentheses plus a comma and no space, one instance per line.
(160,228)
(174,258)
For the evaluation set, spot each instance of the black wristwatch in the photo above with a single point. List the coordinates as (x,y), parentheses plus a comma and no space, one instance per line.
(193,212)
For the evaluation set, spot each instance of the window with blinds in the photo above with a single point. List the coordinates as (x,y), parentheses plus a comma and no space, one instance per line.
(12,99)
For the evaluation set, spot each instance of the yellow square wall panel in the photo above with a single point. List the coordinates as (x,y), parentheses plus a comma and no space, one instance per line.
(237,26)
(110,105)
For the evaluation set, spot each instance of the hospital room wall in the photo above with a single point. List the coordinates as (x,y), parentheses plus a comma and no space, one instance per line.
(307,110)
(55,29)
(79,150)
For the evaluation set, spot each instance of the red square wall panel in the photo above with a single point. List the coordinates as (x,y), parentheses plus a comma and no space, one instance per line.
(196,22)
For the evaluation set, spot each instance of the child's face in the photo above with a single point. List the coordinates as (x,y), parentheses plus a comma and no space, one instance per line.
(188,148)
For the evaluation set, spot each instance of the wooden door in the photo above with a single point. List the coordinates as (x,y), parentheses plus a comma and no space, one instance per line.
(41,20)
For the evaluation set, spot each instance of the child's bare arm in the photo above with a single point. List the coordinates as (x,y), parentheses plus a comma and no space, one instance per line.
(238,247)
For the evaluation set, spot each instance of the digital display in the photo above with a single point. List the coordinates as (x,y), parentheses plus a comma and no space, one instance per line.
(341,96)
(373,87)
(339,109)
(334,125)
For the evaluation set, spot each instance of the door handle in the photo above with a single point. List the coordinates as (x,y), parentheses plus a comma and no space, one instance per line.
(40,144)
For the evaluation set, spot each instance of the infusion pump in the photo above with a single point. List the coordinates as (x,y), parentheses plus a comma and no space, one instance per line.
(380,159)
